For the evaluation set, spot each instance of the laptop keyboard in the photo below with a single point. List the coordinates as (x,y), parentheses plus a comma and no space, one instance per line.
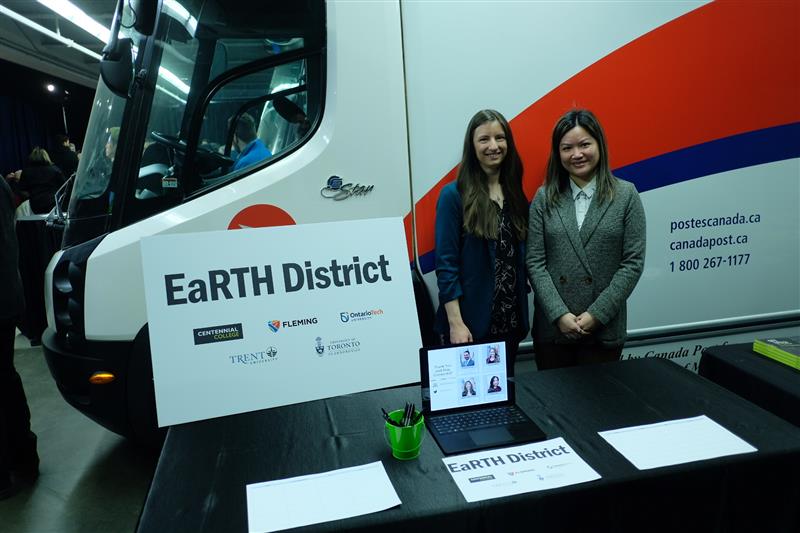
(485,418)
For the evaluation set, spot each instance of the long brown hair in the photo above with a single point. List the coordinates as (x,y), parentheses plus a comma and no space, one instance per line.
(557,178)
(473,183)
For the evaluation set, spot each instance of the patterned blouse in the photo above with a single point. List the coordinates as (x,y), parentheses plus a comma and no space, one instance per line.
(505,308)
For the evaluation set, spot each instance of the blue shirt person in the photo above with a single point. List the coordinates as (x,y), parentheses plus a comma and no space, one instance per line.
(251,149)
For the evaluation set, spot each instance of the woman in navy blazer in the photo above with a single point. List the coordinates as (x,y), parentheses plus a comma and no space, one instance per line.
(586,244)
(481,225)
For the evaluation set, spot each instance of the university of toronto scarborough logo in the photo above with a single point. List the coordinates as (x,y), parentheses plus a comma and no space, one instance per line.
(274,325)
(320,347)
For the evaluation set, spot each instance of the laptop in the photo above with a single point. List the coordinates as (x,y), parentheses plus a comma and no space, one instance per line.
(468,401)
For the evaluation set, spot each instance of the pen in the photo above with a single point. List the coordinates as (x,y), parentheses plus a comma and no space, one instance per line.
(388,418)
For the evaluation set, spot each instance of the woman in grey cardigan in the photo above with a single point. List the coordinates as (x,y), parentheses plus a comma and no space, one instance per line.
(585,252)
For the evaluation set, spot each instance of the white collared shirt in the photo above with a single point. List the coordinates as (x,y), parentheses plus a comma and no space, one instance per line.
(583,198)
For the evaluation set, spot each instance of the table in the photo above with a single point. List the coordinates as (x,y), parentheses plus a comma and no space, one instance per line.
(767,383)
(199,484)
(37,244)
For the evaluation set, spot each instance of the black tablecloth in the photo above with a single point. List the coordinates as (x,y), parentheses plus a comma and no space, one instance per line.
(770,384)
(37,244)
(199,485)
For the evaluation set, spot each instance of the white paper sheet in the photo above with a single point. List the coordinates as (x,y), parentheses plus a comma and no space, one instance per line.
(675,442)
(502,472)
(316,498)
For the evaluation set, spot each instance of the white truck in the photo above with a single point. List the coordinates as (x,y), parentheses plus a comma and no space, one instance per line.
(363,107)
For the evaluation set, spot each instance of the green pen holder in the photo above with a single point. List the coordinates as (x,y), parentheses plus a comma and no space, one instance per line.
(405,441)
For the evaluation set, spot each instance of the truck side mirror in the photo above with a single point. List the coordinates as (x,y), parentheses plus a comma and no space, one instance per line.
(146,10)
(116,66)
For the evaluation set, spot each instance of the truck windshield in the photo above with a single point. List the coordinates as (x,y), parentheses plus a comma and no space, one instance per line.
(90,193)
(225,100)
(214,96)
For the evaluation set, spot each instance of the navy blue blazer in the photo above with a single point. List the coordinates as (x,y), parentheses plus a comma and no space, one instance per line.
(465,270)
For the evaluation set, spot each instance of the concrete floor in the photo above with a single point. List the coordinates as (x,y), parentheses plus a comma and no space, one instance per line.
(91,480)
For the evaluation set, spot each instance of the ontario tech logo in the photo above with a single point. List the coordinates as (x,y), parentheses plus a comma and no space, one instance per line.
(320,347)
(355,316)
(274,325)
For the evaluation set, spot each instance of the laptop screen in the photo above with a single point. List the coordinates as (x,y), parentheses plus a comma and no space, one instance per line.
(466,375)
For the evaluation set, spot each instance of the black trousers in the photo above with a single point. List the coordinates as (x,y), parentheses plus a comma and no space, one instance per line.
(551,355)
(17,442)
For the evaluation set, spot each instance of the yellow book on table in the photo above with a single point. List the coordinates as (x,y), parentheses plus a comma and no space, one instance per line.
(785,350)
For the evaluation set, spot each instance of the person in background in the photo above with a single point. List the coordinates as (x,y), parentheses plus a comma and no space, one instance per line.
(39,181)
(469,389)
(481,226)
(586,246)
(250,148)
(494,384)
(19,461)
(63,155)
(493,356)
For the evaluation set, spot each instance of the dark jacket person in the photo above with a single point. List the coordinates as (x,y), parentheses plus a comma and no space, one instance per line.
(39,181)
(19,462)
(63,156)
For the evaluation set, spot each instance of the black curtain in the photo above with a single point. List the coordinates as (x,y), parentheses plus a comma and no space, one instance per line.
(31,116)
(23,126)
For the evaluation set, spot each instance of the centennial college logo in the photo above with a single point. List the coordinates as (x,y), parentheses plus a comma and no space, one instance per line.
(274,325)
(227,332)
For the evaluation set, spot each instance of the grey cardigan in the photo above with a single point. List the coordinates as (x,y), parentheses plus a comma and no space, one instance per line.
(594,269)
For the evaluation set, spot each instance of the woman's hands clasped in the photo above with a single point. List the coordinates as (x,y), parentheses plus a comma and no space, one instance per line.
(574,327)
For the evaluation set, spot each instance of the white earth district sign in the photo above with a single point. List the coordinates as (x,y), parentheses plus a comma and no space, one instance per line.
(257,318)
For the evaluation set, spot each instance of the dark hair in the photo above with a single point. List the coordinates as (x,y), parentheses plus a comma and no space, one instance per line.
(479,214)
(557,178)
(246,128)
(61,139)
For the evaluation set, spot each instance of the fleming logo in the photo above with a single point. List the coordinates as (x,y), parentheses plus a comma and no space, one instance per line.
(274,325)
